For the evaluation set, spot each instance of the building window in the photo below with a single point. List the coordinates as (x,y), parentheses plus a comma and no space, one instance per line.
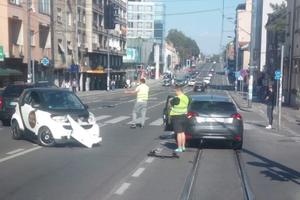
(16,2)
(44,7)
(32,38)
(69,19)
(148,8)
(59,17)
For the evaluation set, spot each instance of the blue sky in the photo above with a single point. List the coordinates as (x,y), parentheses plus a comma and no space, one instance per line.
(205,28)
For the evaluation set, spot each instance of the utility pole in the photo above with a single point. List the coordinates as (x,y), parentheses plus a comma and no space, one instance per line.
(52,27)
(108,68)
(280,89)
(29,71)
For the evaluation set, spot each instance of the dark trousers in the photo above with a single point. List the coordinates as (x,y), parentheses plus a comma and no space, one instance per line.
(270,109)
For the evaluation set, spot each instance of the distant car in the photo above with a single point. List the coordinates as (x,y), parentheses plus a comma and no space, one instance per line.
(180,82)
(206,80)
(10,96)
(199,87)
(54,116)
(210,117)
(191,82)
(167,82)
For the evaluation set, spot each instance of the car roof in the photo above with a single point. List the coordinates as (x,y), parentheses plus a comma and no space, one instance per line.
(44,89)
(217,98)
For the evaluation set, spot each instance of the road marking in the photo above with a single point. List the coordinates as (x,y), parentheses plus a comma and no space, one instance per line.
(102,117)
(131,122)
(123,188)
(149,160)
(138,172)
(14,151)
(116,120)
(19,154)
(157,122)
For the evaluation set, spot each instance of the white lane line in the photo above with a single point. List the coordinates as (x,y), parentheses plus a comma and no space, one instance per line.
(14,151)
(102,117)
(131,122)
(19,154)
(149,160)
(138,172)
(116,120)
(123,188)
(157,122)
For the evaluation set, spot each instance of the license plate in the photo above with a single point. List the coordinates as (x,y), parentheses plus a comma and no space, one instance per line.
(213,119)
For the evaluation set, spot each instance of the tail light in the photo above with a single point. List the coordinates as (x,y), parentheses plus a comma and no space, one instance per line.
(237,138)
(237,116)
(191,115)
(1,102)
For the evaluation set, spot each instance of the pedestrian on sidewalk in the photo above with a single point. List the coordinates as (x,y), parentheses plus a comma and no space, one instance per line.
(140,107)
(74,85)
(179,108)
(270,101)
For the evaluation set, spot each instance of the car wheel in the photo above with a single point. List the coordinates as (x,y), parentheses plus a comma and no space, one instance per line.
(45,137)
(237,145)
(16,133)
(5,122)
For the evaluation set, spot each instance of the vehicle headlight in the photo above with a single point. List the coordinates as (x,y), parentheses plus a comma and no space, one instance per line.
(60,119)
(91,119)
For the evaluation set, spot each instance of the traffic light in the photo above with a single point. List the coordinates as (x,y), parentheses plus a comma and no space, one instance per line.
(109,17)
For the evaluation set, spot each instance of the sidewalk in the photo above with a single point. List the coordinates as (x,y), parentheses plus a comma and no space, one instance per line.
(149,82)
(290,116)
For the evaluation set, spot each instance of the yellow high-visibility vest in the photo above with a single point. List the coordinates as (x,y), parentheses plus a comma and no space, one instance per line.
(182,107)
(142,93)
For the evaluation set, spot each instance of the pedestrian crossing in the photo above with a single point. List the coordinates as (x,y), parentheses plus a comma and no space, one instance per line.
(125,119)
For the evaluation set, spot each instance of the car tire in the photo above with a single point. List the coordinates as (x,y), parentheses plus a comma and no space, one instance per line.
(45,137)
(237,145)
(16,132)
(6,122)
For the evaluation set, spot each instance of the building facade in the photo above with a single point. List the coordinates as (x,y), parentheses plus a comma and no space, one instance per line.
(18,39)
(83,45)
(146,24)
(293,52)
(243,34)
(260,12)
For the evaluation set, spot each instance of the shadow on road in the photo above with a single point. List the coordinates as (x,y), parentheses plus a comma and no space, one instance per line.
(274,170)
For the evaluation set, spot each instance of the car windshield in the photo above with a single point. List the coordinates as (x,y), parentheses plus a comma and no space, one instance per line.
(61,100)
(212,107)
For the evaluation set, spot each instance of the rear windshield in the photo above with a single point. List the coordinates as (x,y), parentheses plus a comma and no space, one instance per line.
(212,107)
(14,90)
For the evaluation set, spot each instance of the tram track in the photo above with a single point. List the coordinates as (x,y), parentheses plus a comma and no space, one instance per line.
(192,177)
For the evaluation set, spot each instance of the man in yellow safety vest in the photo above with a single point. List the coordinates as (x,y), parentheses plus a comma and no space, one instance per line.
(140,106)
(178,116)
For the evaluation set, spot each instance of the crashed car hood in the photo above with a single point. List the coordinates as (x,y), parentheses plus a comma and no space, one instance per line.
(75,114)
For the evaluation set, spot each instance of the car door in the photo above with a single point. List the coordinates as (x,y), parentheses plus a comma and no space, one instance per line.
(166,114)
(28,113)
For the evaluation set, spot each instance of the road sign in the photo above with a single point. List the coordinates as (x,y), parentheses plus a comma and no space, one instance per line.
(1,53)
(45,61)
(278,75)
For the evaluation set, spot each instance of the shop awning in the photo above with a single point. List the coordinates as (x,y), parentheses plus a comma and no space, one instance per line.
(9,72)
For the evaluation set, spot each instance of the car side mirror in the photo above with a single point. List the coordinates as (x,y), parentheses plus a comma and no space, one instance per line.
(86,106)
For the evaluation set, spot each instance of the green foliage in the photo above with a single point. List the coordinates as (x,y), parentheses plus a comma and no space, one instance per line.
(278,7)
(185,46)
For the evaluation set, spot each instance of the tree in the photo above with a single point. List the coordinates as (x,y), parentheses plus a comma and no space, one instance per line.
(278,7)
(185,46)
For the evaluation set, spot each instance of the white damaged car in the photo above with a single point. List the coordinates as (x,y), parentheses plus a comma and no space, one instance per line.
(54,116)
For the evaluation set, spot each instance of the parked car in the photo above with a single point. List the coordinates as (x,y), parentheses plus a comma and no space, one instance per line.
(167,82)
(211,117)
(199,87)
(206,80)
(54,116)
(10,96)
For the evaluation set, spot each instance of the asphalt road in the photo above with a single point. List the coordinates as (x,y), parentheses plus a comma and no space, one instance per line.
(120,169)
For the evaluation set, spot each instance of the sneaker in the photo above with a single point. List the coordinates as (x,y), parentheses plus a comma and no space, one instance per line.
(183,149)
(269,127)
(178,150)
(133,126)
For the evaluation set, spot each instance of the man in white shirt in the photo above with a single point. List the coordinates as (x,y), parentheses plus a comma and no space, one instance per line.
(140,106)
